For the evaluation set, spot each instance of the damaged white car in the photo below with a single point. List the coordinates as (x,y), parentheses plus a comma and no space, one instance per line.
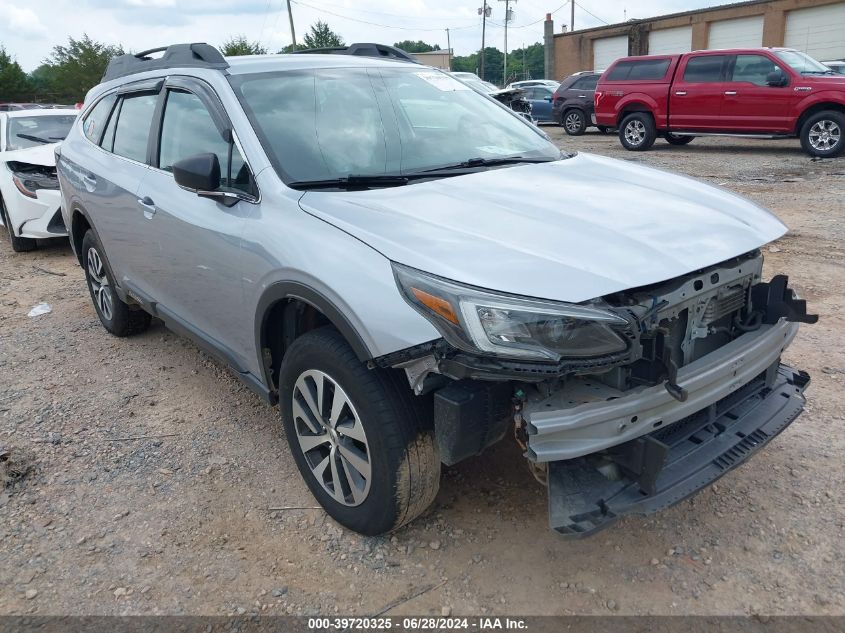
(29,189)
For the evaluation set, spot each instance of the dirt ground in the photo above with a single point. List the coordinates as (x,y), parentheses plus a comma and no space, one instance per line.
(182,523)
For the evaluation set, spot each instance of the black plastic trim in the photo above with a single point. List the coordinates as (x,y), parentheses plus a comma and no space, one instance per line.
(196,55)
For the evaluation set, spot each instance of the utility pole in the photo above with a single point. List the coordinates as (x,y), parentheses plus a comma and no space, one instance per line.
(449,48)
(508,17)
(572,15)
(292,31)
(485,12)
(524,67)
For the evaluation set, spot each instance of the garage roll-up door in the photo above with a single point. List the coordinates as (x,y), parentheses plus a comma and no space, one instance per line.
(607,50)
(669,41)
(819,31)
(739,33)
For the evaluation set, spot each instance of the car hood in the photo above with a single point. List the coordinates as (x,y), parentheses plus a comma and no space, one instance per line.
(44,155)
(570,230)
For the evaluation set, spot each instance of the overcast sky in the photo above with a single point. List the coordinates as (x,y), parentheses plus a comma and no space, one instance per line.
(30,28)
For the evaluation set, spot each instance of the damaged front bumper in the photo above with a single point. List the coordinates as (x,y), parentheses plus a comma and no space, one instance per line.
(658,470)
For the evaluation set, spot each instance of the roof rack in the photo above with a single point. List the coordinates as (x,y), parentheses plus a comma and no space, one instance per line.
(197,55)
(364,50)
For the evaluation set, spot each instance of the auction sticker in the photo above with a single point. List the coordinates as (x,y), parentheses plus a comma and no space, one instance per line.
(442,81)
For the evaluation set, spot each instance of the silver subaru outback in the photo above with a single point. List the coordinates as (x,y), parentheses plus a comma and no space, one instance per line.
(414,272)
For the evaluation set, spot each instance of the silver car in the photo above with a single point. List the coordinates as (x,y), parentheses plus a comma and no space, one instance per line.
(413,272)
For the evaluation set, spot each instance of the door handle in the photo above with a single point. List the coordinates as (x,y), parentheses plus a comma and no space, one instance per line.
(90,182)
(149,206)
(681,93)
(582,96)
(730,93)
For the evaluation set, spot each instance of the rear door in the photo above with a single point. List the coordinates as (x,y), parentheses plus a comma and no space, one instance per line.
(541,102)
(695,100)
(750,103)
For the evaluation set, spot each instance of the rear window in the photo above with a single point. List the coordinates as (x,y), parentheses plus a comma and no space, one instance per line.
(639,70)
(586,83)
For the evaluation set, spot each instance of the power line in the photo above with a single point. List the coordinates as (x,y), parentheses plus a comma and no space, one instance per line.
(581,6)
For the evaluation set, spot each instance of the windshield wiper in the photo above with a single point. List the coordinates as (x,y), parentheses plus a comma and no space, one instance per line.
(352,182)
(491,162)
(37,139)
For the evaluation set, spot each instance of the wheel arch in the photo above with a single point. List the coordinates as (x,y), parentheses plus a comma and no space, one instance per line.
(818,106)
(634,105)
(289,309)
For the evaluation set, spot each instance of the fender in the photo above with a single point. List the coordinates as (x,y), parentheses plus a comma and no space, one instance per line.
(813,98)
(282,290)
(642,100)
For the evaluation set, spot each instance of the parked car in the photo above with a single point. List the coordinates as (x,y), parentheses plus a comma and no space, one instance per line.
(572,103)
(410,289)
(540,98)
(768,92)
(837,66)
(13,107)
(513,98)
(29,189)
(528,83)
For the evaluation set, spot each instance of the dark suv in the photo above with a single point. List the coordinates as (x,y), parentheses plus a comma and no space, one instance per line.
(572,103)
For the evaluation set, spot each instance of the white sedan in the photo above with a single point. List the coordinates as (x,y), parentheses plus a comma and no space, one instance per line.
(29,189)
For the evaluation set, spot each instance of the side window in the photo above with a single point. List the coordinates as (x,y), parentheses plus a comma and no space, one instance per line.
(107,142)
(704,69)
(641,70)
(188,129)
(133,126)
(753,69)
(531,94)
(96,120)
(586,83)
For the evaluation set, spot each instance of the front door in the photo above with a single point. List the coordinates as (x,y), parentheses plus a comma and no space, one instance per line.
(695,101)
(196,255)
(751,104)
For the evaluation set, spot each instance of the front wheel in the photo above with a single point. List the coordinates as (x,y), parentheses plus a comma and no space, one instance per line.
(822,134)
(362,441)
(637,132)
(676,139)
(574,122)
(19,244)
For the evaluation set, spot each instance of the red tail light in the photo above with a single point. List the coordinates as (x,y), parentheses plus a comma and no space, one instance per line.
(597,97)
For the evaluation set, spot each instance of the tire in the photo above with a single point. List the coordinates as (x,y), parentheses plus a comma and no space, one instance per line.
(674,139)
(637,132)
(823,134)
(19,244)
(387,433)
(574,122)
(602,129)
(116,316)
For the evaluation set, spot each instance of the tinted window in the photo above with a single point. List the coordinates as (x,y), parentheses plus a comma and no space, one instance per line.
(188,129)
(753,69)
(586,83)
(641,69)
(97,119)
(107,143)
(704,69)
(133,126)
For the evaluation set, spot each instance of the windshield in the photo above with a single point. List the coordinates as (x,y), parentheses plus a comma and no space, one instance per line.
(335,123)
(26,132)
(802,63)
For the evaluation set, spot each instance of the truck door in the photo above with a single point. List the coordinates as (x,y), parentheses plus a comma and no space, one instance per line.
(751,104)
(695,100)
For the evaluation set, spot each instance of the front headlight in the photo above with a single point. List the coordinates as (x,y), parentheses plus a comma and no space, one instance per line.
(478,320)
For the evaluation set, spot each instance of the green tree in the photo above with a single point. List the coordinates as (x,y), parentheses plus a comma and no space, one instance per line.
(416,47)
(321,36)
(74,69)
(14,84)
(239,45)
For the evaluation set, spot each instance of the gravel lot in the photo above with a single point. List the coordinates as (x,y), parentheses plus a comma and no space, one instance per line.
(183,523)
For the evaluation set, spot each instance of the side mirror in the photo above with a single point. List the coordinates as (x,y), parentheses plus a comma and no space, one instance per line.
(777,78)
(199,173)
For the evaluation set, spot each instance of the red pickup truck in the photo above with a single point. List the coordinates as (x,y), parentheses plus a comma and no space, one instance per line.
(759,93)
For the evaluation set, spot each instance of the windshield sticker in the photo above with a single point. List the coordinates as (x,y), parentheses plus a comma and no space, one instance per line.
(442,81)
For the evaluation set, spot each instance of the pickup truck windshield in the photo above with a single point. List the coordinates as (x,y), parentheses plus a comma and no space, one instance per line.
(327,124)
(803,63)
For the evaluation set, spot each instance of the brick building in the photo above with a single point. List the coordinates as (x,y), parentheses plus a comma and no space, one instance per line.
(816,27)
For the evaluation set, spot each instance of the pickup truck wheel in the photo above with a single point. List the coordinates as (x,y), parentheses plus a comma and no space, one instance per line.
(19,244)
(823,134)
(674,139)
(362,441)
(574,122)
(116,316)
(637,132)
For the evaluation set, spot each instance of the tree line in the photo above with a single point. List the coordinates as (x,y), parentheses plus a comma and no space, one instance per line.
(71,69)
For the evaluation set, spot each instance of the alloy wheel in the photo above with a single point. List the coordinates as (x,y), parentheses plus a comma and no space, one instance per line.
(635,132)
(100,287)
(332,438)
(825,135)
(572,122)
